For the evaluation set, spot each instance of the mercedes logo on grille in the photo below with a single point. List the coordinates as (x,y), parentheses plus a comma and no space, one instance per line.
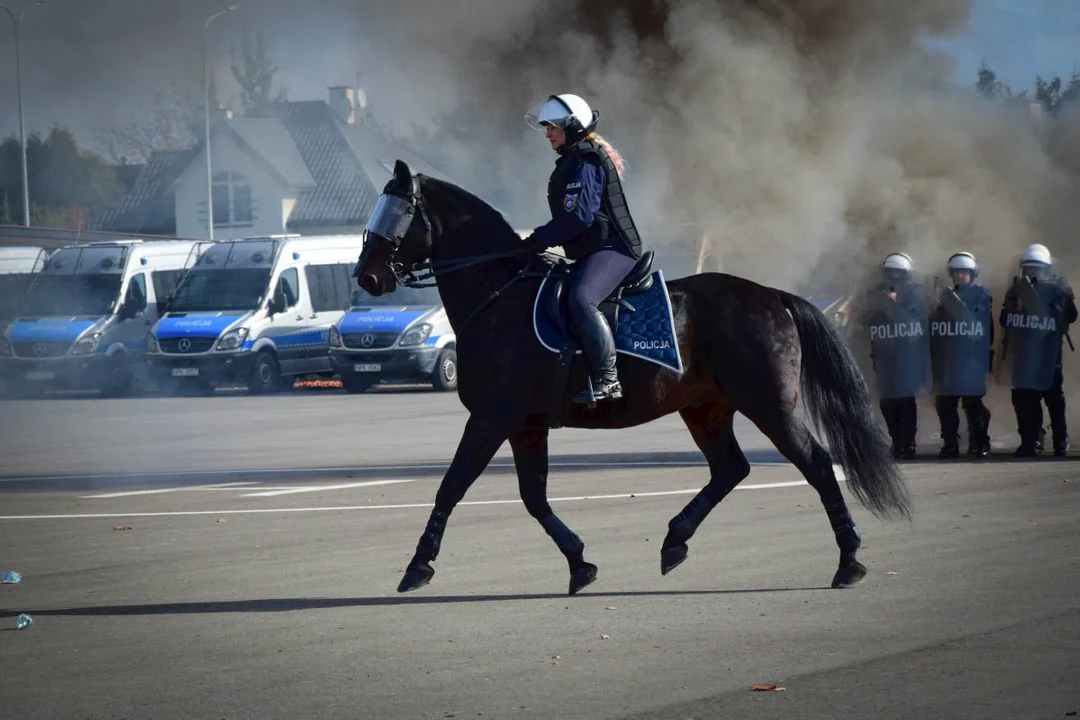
(184,345)
(40,349)
(367,340)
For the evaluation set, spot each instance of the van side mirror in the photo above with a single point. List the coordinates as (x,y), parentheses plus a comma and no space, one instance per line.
(277,302)
(357,297)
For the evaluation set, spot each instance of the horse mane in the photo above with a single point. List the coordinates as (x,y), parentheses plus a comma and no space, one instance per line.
(468,208)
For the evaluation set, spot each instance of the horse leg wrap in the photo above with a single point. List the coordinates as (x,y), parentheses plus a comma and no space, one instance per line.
(683,526)
(847,534)
(428,547)
(566,539)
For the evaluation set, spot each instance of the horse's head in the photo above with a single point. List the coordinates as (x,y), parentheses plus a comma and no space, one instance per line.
(398,234)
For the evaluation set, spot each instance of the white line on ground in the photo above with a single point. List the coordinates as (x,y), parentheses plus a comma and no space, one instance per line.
(301,471)
(404,506)
(158,491)
(320,488)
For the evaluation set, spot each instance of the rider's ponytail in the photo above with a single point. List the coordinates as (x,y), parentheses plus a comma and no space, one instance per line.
(616,158)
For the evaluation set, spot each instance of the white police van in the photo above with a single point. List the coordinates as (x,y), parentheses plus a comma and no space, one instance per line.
(255,311)
(83,322)
(403,336)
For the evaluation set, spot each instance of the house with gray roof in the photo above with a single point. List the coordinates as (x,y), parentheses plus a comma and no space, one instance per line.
(296,167)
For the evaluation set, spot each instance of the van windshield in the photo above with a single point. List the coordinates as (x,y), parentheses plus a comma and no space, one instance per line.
(227,289)
(428,297)
(13,287)
(92,294)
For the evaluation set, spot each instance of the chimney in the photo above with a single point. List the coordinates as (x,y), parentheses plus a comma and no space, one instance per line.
(343,102)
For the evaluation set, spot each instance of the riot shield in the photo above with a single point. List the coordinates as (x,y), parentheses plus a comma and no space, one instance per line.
(1033,324)
(960,341)
(899,341)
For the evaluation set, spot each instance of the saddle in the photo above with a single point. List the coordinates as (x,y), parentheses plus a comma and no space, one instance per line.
(637,281)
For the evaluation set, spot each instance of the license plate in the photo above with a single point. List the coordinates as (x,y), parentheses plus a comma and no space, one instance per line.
(185,372)
(370,367)
(40,376)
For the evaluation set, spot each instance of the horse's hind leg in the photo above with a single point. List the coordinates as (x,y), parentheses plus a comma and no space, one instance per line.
(794,440)
(711,427)
(530,446)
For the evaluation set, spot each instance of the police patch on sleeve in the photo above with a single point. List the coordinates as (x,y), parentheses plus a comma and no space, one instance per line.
(569,202)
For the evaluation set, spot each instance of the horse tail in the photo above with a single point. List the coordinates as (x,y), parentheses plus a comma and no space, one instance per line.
(840,406)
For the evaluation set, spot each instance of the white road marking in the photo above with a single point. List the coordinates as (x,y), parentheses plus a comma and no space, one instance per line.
(403,506)
(158,491)
(331,470)
(320,488)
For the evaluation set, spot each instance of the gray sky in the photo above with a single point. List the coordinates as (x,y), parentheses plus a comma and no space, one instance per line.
(86,63)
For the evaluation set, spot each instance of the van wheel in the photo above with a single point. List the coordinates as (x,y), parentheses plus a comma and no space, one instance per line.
(355,385)
(121,378)
(445,377)
(265,375)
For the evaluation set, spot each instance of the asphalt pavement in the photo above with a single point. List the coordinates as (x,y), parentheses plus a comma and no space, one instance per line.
(237,557)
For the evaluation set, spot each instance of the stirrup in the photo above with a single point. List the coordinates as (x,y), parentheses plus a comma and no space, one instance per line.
(599,392)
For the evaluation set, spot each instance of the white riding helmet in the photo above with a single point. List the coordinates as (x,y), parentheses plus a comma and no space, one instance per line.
(569,112)
(964,261)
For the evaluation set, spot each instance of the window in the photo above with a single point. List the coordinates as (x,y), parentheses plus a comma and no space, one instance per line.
(164,282)
(232,200)
(289,286)
(329,286)
(135,300)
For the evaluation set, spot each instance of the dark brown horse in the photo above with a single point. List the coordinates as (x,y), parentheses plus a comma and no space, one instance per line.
(745,348)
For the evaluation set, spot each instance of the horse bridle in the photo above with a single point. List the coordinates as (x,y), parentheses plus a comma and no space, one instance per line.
(387,227)
(390,222)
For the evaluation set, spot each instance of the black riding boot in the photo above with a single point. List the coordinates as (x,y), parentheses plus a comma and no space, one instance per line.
(598,345)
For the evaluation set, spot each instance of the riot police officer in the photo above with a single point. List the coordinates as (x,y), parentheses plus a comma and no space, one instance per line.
(591,221)
(895,316)
(1035,316)
(962,334)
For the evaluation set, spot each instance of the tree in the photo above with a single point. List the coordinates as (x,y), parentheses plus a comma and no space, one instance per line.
(1052,95)
(991,88)
(254,71)
(68,185)
(171,118)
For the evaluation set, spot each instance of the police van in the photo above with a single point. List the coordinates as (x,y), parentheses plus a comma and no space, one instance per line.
(403,336)
(83,322)
(255,311)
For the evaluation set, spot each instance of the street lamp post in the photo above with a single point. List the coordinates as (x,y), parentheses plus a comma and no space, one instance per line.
(206,112)
(22,125)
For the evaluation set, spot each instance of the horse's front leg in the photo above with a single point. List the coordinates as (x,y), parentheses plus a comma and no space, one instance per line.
(530,446)
(481,440)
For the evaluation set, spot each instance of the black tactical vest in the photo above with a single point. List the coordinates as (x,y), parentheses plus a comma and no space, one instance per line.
(612,223)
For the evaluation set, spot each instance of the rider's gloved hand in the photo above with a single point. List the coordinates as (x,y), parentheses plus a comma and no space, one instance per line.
(535,244)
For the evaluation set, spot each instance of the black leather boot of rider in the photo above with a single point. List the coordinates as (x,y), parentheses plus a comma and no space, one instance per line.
(598,345)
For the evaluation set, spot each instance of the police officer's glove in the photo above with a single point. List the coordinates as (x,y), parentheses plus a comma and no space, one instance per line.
(534,243)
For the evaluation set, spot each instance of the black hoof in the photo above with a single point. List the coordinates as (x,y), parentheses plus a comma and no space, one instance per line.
(849,575)
(416,577)
(584,576)
(672,557)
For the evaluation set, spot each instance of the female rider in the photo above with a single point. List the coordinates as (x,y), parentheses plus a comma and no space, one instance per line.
(592,223)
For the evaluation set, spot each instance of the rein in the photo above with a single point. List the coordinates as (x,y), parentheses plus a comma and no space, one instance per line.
(409,278)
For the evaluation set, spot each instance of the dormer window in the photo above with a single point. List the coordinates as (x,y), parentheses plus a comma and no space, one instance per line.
(232,200)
